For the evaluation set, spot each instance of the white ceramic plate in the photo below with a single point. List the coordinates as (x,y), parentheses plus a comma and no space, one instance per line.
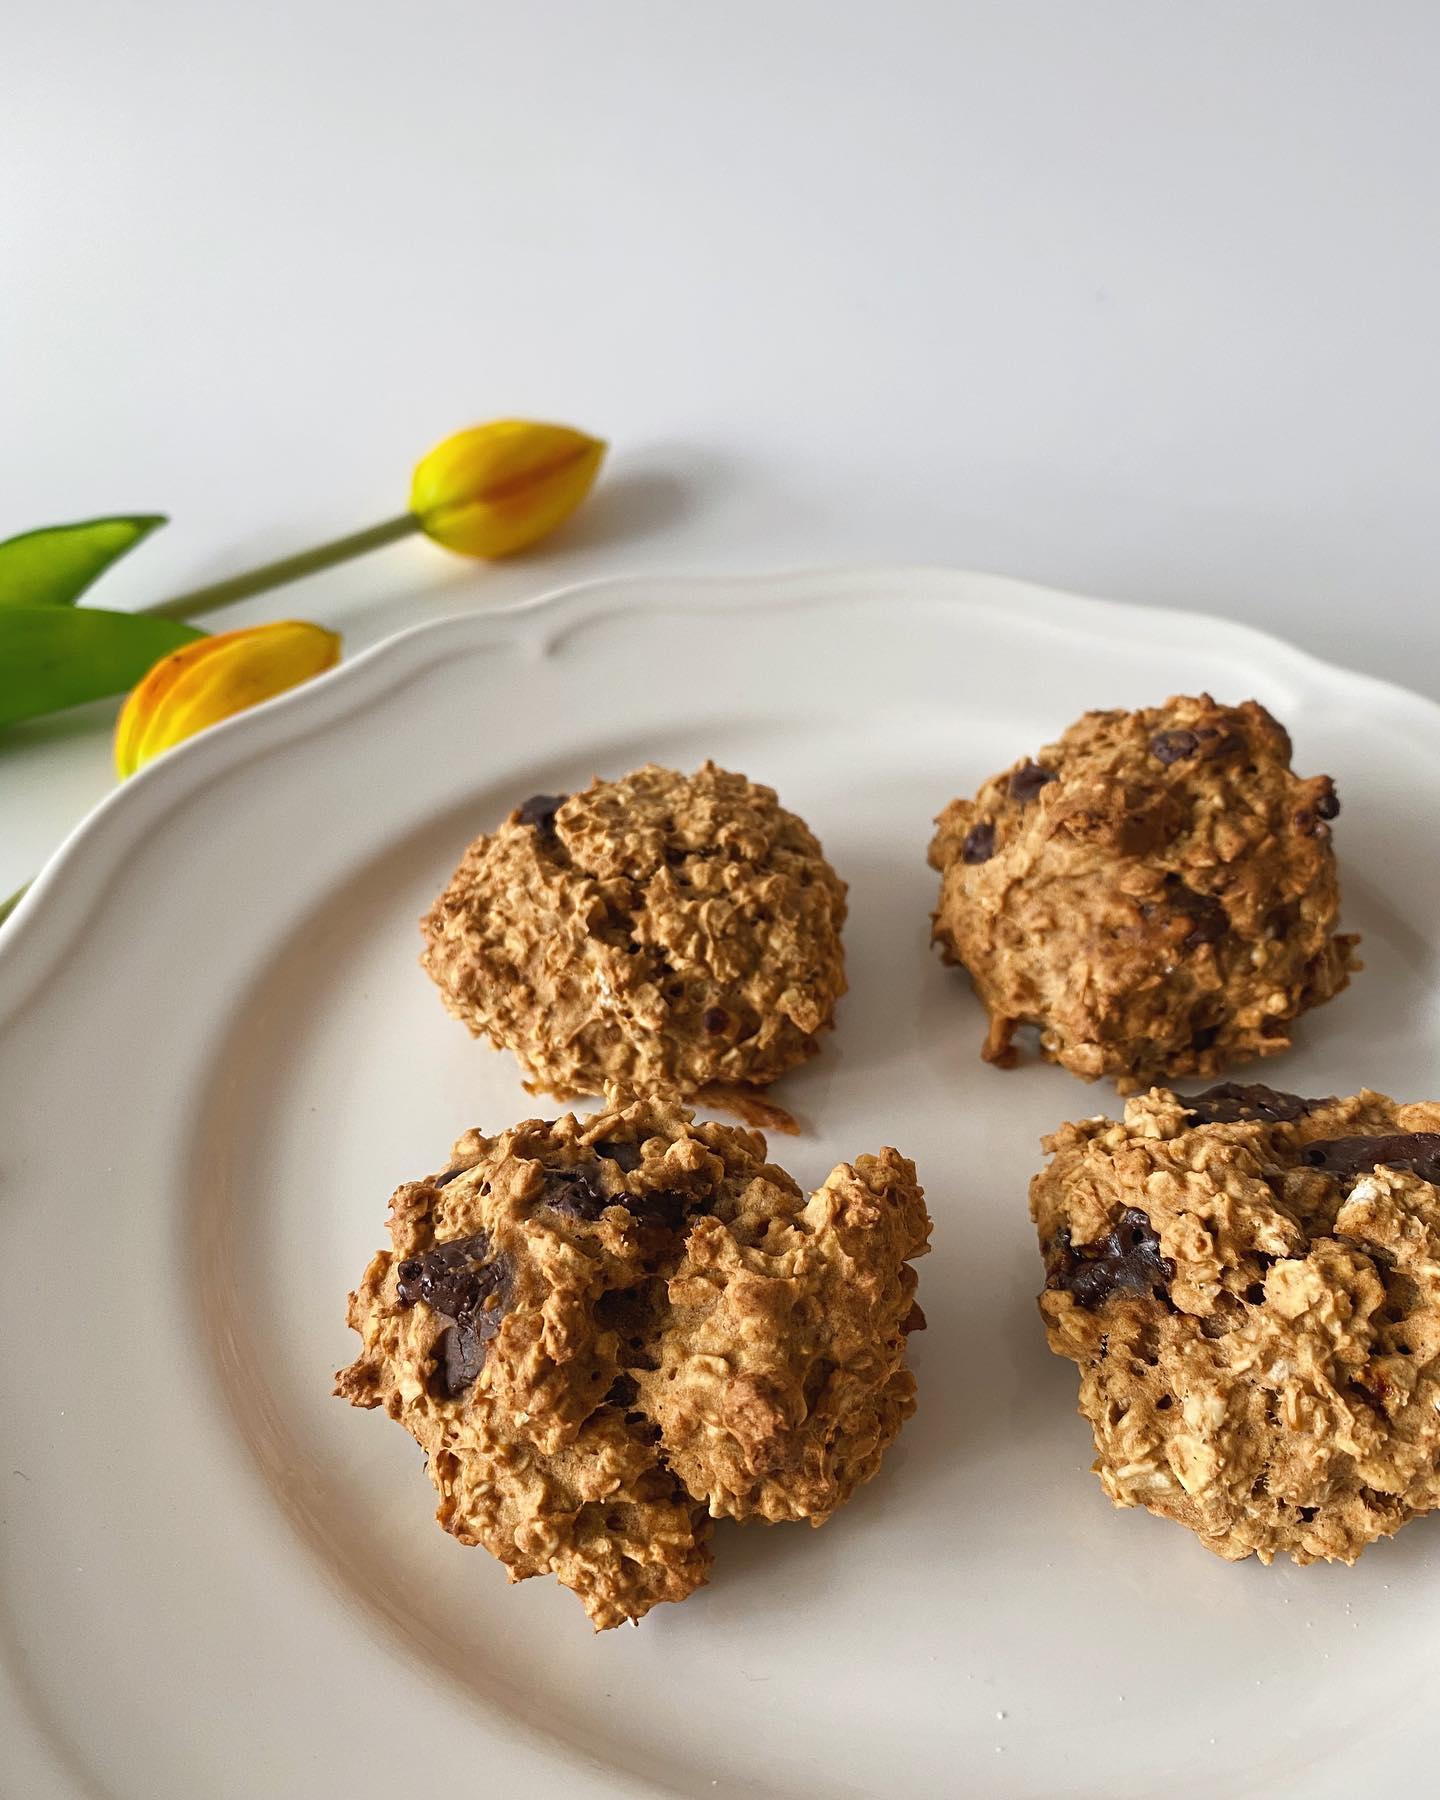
(218,1056)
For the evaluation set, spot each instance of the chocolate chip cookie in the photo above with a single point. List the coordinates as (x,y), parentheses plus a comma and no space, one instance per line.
(606,1332)
(1156,892)
(666,931)
(1249,1282)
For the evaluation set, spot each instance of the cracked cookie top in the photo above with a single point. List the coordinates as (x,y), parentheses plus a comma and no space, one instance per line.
(664,931)
(1249,1282)
(1155,891)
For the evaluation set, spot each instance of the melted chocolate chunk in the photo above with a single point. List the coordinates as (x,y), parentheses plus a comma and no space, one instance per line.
(540,810)
(1232,1101)
(979,845)
(455,1280)
(1209,920)
(714,1019)
(461,1356)
(1173,746)
(1207,742)
(1127,1261)
(629,1156)
(1027,782)
(445,1276)
(576,1194)
(666,1208)
(1348,1158)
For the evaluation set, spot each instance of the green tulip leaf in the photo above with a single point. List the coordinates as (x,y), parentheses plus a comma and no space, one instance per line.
(54,565)
(8,906)
(57,656)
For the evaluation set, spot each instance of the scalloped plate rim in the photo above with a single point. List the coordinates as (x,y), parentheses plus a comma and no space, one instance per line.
(38,933)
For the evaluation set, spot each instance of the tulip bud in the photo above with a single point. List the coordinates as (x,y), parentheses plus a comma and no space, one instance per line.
(204,682)
(496,488)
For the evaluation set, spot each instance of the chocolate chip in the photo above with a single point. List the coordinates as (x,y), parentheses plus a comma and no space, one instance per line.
(1173,746)
(575,1194)
(1209,920)
(540,810)
(1313,820)
(979,845)
(1232,1101)
(443,1276)
(1208,742)
(629,1156)
(1307,1513)
(449,1176)
(714,1019)
(1028,780)
(455,1280)
(664,1208)
(1128,1260)
(1348,1158)
(461,1357)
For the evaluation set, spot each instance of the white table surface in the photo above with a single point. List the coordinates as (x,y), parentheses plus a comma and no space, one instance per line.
(1131,297)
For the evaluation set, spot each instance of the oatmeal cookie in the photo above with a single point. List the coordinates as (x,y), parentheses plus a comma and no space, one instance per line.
(668,932)
(1156,892)
(1249,1282)
(603,1332)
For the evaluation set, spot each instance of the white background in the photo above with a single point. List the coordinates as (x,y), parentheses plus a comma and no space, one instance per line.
(1137,298)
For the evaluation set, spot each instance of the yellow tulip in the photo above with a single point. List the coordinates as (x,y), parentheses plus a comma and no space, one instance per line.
(204,682)
(494,489)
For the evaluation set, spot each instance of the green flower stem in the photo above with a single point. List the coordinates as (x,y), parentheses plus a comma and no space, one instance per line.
(260,581)
(288,568)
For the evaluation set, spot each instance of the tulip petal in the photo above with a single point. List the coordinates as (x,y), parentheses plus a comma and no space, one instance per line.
(200,684)
(496,488)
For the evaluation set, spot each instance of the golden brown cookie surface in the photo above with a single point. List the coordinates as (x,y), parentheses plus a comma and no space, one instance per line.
(663,931)
(1156,892)
(1250,1284)
(604,1331)
(781,1377)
